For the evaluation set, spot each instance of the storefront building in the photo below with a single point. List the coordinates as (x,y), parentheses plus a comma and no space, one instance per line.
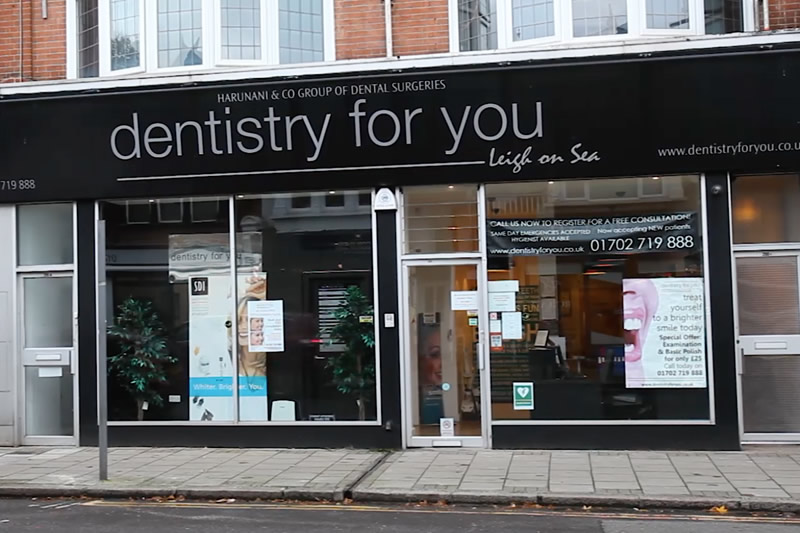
(587,251)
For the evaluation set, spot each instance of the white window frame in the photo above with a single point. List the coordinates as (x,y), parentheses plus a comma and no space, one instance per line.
(211,42)
(270,36)
(104,36)
(150,40)
(563,26)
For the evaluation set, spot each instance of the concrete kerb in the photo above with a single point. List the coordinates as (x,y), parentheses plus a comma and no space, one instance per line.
(388,496)
(574,500)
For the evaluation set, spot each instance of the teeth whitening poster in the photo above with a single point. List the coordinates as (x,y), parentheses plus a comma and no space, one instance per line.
(211,366)
(664,325)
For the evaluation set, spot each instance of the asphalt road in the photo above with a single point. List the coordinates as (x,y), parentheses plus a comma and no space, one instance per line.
(59,516)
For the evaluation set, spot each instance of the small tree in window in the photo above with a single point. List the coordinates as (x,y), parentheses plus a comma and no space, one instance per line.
(141,362)
(354,367)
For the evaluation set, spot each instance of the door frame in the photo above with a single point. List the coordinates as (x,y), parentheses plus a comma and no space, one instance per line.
(410,441)
(757,250)
(46,440)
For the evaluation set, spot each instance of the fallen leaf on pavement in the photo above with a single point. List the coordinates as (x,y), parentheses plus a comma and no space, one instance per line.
(721,509)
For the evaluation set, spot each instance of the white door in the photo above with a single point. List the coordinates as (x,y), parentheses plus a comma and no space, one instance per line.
(444,354)
(48,355)
(768,300)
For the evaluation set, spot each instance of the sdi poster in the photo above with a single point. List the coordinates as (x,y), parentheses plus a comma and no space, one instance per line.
(212,332)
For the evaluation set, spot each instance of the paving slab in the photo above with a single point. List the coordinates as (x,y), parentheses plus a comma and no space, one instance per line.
(630,479)
(206,473)
(760,479)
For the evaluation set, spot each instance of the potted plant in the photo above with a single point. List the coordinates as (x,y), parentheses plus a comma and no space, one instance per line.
(354,367)
(142,358)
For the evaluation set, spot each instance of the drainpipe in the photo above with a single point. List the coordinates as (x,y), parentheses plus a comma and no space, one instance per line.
(21,55)
(765,15)
(387,15)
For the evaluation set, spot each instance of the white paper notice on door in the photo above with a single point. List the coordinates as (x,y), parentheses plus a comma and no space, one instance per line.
(512,326)
(463,300)
(502,301)
(506,285)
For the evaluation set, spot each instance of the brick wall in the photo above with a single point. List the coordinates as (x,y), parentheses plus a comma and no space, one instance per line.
(420,27)
(360,29)
(34,49)
(784,14)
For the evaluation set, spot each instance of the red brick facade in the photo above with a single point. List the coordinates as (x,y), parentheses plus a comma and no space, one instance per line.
(784,14)
(360,29)
(420,27)
(32,48)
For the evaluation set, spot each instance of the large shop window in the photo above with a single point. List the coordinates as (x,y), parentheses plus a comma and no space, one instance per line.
(132,36)
(597,300)
(294,320)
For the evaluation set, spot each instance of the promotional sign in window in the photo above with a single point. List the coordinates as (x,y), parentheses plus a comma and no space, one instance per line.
(622,234)
(664,330)
(211,364)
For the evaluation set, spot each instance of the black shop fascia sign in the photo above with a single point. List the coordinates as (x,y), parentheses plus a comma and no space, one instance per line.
(732,112)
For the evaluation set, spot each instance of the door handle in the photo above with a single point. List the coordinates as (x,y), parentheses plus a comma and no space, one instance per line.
(72,362)
(740,362)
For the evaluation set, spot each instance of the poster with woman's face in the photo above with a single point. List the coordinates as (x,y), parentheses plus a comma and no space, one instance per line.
(664,332)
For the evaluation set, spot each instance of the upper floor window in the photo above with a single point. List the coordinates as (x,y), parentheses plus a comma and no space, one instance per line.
(491,24)
(126,36)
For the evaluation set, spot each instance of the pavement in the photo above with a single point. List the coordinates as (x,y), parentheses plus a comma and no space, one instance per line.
(762,479)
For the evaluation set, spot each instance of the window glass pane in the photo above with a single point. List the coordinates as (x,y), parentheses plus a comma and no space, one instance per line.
(300,23)
(477,25)
(180,33)
(305,308)
(88,39)
(532,19)
(599,17)
(617,284)
(124,34)
(173,261)
(765,209)
(443,348)
(668,14)
(723,16)
(44,234)
(241,29)
(768,298)
(440,218)
(48,312)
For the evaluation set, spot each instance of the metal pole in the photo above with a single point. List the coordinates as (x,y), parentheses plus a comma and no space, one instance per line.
(102,372)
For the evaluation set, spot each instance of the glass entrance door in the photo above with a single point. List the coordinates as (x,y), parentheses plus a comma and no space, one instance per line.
(444,360)
(768,295)
(48,358)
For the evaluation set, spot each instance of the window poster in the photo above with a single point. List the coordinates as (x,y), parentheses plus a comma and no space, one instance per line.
(668,232)
(429,365)
(265,326)
(211,364)
(664,330)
